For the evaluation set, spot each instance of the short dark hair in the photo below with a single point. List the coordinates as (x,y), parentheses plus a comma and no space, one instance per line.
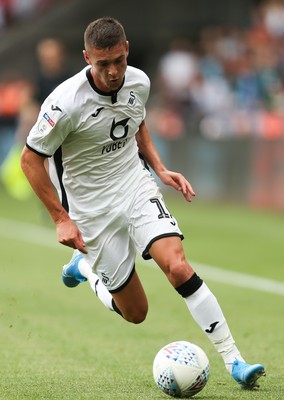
(104,33)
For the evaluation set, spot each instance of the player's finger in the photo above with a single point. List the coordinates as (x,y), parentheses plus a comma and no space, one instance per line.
(80,244)
(187,190)
(82,249)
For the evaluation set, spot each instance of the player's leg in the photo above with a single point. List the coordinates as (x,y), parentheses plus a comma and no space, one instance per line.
(78,270)
(204,307)
(111,253)
(169,255)
(129,300)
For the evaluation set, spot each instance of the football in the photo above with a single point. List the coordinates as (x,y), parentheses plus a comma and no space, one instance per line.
(181,369)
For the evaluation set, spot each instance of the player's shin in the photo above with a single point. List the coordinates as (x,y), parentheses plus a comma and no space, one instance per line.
(101,291)
(98,287)
(207,312)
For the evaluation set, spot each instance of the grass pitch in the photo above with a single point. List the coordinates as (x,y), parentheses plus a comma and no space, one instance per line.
(61,343)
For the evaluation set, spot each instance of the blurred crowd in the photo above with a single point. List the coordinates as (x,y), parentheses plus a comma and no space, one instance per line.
(229,82)
(15,11)
(20,97)
(20,100)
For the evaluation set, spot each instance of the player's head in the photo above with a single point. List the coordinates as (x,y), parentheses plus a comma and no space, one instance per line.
(104,33)
(106,50)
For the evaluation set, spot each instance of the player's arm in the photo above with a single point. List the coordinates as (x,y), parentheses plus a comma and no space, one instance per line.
(35,171)
(148,150)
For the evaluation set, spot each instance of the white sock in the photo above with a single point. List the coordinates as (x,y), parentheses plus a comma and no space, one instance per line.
(101,291)
(206,311)
(96,285)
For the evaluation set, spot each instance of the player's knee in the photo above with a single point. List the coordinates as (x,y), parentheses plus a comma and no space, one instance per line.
(136,316)
(179,271)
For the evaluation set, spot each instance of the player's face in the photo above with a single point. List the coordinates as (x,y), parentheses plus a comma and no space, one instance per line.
(108,66)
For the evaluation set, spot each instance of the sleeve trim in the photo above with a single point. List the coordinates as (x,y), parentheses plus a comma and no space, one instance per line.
(37,152)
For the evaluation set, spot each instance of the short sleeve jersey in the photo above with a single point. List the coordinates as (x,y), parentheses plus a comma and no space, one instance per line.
(91,136)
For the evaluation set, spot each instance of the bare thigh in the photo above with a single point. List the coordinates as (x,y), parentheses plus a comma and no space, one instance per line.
(132,301)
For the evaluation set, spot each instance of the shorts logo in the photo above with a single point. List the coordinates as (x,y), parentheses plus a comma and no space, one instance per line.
(105,279)
(49,120)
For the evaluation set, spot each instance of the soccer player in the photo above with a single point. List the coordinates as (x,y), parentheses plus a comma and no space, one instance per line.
(92,127)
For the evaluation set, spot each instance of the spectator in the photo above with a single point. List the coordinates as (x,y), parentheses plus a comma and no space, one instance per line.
(52,66)
(273,16)
(12,97)
(52,71)
(168,115)
(175,72)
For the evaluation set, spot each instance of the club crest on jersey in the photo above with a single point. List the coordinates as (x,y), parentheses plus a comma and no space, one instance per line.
(132,99)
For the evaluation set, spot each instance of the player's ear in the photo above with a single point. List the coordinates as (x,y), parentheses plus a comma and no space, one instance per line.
(86,56)
(127,47)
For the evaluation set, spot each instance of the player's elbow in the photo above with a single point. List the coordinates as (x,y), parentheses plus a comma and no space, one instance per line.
(24,160)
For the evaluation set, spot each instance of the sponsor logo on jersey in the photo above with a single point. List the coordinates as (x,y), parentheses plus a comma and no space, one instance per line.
(48,119)
(132,99)
(119,144)
(118,133)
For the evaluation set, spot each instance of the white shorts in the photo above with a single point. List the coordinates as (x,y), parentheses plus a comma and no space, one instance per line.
(113,238)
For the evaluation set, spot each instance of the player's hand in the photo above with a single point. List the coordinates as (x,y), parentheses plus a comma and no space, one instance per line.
(69,235)
(178,182)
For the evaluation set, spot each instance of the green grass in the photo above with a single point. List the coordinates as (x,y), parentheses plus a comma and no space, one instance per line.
(60,343)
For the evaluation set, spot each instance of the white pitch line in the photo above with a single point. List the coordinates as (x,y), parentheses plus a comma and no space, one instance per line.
(239,279)
(30,233)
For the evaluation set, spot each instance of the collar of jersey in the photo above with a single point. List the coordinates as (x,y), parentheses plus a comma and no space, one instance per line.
(113,94)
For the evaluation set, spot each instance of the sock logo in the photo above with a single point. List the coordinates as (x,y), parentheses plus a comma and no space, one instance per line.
(212,327)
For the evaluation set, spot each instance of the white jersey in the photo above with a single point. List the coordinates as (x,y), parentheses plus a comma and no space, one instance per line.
(91,136)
